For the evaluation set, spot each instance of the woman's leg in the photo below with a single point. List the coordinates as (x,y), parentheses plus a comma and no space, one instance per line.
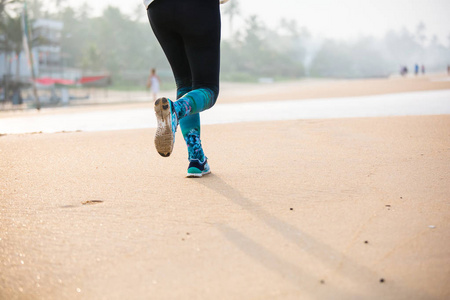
(189,33)
(202,44)
(190,128)
(162,20)
(201,36)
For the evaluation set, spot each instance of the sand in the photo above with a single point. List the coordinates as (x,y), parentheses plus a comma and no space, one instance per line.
(305,209)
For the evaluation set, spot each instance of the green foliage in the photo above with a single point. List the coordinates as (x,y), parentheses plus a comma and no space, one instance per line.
(92,58)
(112,43)
(261,53)
(126,48)
(7,5)
(10,26)
(12,33)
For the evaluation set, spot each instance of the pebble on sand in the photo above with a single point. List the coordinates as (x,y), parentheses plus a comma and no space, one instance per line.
(382,280)
(432,226)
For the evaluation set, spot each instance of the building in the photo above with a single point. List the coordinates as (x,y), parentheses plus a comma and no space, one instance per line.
(47,54)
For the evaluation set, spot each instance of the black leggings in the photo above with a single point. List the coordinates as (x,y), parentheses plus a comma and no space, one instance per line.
(189,34)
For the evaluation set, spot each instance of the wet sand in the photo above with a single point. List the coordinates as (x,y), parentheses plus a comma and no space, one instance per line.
(305,209)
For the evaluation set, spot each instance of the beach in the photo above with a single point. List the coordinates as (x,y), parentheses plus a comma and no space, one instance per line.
(337,208)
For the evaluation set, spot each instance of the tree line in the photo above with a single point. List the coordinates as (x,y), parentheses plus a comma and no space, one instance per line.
(126,48)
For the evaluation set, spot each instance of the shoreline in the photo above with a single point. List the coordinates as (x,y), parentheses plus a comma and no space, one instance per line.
(400,104)
(257,92)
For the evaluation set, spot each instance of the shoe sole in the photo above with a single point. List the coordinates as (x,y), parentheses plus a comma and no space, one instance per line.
(197,175)
(164,134)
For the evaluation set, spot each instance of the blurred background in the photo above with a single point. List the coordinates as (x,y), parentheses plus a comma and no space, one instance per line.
(105,48)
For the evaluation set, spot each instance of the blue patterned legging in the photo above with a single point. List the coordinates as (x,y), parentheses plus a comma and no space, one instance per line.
(189,34)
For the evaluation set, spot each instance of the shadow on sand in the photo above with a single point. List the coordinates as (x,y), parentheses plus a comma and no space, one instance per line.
(336,261)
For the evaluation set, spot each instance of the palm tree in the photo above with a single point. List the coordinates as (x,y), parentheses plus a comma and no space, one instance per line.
(10,29)
(12,32)
(12,42)
(11,39)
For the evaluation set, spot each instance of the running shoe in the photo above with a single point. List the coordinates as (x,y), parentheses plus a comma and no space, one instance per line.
(167,126)
(197,169)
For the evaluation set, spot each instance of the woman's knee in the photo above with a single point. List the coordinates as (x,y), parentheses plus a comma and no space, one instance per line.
(214,95)
(184,86)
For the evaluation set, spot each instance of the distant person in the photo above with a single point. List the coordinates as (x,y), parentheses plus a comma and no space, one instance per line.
(189,34)
(423,69)
(404,71)
(153,83)
(416,69)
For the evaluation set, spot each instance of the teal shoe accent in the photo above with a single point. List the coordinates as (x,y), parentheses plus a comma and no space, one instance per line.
(197,169)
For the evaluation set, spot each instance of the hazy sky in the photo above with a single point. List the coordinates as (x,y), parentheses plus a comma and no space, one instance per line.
(332,18)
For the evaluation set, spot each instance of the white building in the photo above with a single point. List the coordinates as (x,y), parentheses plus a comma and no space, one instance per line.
(48,59)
